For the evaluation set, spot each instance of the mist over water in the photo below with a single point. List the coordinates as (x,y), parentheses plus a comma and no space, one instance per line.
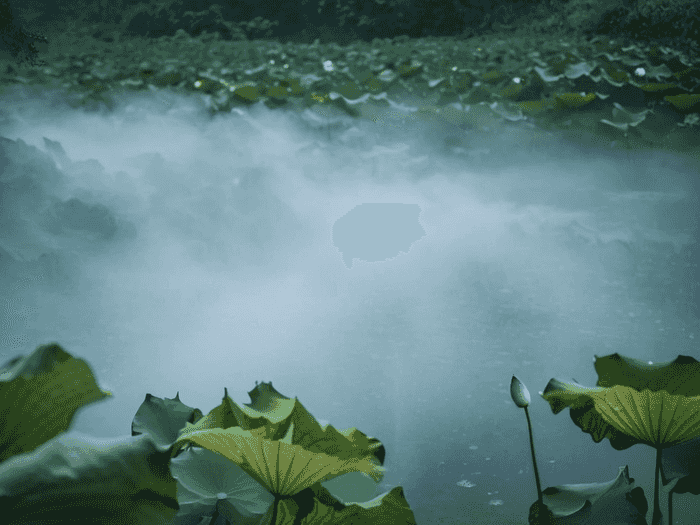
(176,251)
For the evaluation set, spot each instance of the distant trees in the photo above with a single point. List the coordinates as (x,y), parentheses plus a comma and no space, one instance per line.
(20,44)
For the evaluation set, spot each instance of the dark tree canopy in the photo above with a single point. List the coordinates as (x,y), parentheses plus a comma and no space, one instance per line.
(22,45)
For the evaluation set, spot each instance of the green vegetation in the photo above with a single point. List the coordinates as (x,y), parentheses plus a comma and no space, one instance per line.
(555,69)
(266,462)
(259,463)
(634,402)
(574,67)
(592,90)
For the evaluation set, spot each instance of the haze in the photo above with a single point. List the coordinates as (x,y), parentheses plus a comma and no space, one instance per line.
(189,253)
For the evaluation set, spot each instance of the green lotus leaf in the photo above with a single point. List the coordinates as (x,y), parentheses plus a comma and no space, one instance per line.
(655,87)
(390,507)
(76,478)
(282,468)
(572,100)
(617,501)
(626,416)
(247,93)
(207,482)
(679,463)
(271,415)
(680,376)
(684,102)
(270,410)
(26,383)
(163,418)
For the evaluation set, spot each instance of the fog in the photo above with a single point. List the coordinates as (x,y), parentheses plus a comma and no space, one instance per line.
(179,252)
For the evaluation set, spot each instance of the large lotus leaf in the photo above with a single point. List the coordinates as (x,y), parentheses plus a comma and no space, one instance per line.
(272,415)
(312,508)
(209,482)
(270,410)
(282,468)
(626,416)
(39,395)
(680,376)
(679,463)
(616,502)
(624,119)
(344,443)
(79,479)
(162,419)
(268,407)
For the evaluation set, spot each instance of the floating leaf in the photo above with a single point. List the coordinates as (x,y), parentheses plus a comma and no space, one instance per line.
(572,100)
(685,103)
(616,502)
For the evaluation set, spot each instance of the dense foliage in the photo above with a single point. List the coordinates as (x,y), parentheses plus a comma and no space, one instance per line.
(672,22)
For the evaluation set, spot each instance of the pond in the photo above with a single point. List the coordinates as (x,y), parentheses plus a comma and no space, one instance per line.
(392,273)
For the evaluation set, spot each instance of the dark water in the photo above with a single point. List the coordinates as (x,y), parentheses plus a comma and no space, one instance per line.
(176,252)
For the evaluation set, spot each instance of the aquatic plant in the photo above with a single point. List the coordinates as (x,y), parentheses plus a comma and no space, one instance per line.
(268,462)
(634,402)
(263,463)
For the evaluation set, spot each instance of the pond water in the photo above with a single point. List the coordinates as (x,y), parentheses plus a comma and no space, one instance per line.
(391,281)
